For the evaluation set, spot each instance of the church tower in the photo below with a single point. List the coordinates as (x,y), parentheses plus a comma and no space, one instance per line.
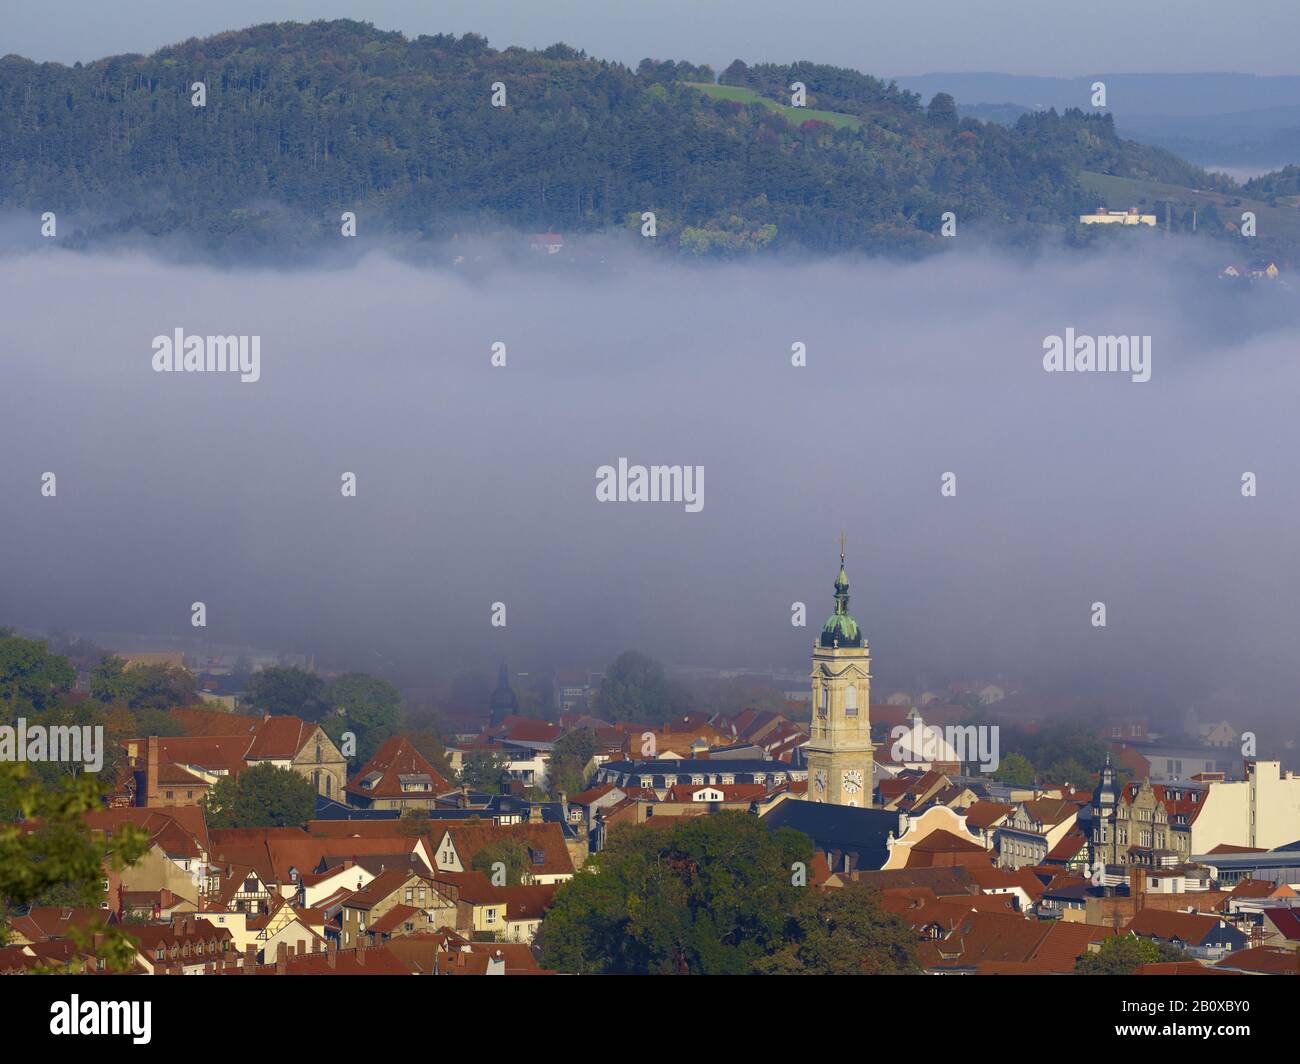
(840,767)
(503,701)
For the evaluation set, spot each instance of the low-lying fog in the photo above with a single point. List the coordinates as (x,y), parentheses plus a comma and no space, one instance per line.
(477,484)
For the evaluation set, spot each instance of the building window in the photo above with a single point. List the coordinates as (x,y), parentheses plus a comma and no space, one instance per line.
(851,701)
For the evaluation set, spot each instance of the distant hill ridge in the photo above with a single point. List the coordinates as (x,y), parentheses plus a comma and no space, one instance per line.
(304,121)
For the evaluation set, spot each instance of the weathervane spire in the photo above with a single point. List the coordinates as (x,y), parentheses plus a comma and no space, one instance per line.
(841,546)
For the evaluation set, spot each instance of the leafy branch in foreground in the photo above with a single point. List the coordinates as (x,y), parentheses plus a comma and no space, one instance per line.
(48,854)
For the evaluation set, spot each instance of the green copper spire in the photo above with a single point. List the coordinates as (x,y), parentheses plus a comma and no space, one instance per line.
(841,630)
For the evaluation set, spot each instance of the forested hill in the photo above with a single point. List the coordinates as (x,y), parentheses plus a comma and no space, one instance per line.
(309,120)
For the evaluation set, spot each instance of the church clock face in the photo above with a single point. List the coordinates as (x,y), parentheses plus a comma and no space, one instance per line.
(851,781)
(819,780)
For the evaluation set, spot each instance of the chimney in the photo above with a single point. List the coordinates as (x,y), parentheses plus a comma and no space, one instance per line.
(361,956)
(250,960)
(151,772)
(281,958)
(535,813)
(1137,884)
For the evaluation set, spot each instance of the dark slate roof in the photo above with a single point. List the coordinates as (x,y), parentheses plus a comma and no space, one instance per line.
(676,767)
(485,807)
(328,809)
(839,828)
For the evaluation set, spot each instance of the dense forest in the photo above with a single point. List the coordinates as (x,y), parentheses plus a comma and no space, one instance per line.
(305,121)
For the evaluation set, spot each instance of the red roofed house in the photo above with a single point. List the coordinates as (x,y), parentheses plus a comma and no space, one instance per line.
(1282,928)
(1202,932)
(178,770)
(397,777)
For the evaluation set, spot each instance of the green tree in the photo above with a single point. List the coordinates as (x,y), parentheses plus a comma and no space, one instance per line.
(1016,770)
(264,796)
(1122,954)
(942,109)
(48,856)
(431,747)
(843,932)
(142,687)
(481,770)
(636,688)
(108,681)
(289,691)
(509,852)
(703,895)
(570,756)
(30,676)
(371,708)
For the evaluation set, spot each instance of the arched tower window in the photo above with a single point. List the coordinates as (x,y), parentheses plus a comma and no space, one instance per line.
(851,700)
(825,703)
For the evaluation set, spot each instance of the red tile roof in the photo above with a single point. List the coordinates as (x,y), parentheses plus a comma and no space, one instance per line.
(1287,922)
(397,758)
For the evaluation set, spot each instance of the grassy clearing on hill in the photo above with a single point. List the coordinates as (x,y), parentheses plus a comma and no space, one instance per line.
(794,115)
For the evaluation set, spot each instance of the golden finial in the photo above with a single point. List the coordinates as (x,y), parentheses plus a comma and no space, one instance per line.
(841,546)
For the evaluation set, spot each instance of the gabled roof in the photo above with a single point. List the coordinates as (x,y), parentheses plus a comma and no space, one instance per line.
(44,922)
(944,882)
(1050,811)
(277,852)
(528,902)
(984,936)
(516,729)
(280,739)
(842,828)
(1253,888)
(1006,879)
(591,794)
(391,920)
(379,888)
(1064,944)
(180,831)
(1068,848)
(396,758)
(199,721)
(1192,928)
(193,929)
(985,813)
(943,841)
(1265,960)
(548,855)
(1287,922)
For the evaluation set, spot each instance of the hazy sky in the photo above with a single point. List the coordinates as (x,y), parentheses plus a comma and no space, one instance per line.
(1018,36)
(477,484)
